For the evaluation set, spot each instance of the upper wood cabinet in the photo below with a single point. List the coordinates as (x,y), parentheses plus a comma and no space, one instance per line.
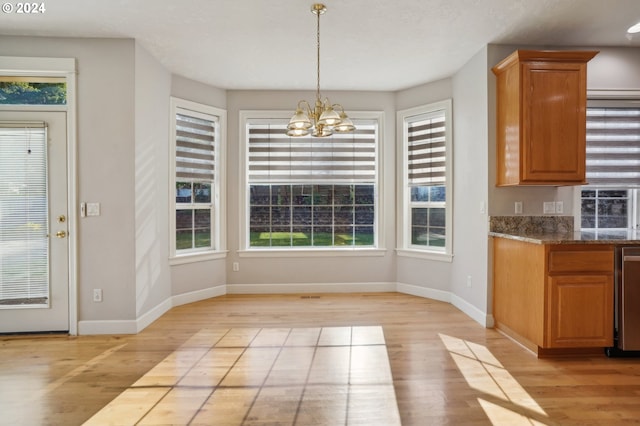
(541,117)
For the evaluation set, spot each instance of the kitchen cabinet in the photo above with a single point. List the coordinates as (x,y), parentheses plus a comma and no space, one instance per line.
(554,297)
(541,117)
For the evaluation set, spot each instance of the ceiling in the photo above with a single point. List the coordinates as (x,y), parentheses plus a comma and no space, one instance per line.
(365,44)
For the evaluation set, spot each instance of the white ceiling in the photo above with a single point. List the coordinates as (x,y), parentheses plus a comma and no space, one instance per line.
(365,44)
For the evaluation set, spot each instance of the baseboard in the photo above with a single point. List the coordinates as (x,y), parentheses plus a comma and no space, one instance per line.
(135,326)
(152,314)
(310,288)
(107,327)
(427,293)
(482,318)
(198,295)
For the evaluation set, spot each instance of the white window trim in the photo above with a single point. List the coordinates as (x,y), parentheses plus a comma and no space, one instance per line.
(66,68)
(219,222)
(405,249)
(246,251)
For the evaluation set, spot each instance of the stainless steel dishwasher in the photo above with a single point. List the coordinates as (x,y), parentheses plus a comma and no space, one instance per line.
(627,302)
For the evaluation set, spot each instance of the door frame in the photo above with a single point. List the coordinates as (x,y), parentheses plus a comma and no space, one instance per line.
(66,68)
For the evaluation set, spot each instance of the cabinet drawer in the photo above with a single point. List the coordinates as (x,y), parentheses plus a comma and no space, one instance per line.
(581,261)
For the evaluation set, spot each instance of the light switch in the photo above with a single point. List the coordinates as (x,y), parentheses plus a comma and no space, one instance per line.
(549,207)
(93,209)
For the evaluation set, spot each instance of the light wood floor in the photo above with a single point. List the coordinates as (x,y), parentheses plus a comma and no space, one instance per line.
(368,359)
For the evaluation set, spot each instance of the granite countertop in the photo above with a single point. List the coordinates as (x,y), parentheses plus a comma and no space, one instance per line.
(555,230)
(582,237)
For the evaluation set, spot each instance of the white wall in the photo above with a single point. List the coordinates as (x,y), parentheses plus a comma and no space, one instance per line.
(614,68)
(152,90)
(470,192)
(195,91)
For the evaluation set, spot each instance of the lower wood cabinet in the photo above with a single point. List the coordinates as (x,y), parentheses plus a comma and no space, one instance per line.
(580,311)
(553,296)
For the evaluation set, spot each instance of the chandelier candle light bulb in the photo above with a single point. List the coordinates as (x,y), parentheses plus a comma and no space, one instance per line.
(323,119)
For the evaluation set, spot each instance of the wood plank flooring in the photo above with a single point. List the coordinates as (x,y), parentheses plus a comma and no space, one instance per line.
(330,359)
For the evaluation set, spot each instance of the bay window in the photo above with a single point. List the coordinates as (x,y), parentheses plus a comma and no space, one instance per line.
(425,185)
(310,193)
(196,187)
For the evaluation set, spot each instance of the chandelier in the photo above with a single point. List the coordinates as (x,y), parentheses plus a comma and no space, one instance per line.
(322,119)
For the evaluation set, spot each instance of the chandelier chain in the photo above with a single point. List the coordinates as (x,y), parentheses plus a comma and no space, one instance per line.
(321,119)
(318,55)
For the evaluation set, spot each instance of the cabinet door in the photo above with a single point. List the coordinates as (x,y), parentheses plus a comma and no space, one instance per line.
(554,122)
(580,311)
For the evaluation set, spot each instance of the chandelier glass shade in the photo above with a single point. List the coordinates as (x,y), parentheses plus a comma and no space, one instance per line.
(321,119)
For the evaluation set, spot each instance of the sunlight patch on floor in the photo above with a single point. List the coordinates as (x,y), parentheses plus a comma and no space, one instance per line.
(506,402)
(333,375)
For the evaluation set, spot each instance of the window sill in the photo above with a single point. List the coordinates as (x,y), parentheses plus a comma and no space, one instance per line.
(310,252)
(197,257)
(426,255)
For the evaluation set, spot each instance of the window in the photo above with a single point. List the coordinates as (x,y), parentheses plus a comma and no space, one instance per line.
(196,187)
(24,257)
(15,90)
(310,193)
(426,216)
(606,208)
(610,201)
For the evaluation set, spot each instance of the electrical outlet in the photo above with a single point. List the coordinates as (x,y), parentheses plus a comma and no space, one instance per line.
(97,295)
(469,281)
(518,207)
(559,206)
(236,266)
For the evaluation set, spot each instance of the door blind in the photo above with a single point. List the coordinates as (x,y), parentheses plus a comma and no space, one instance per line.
(613,146)
(427,152)
(195,148)
(275,157)
(24,253)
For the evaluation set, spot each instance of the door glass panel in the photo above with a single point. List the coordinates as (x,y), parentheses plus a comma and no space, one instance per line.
(24,245)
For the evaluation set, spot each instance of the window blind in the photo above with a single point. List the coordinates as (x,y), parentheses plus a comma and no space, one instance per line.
(613,146)
(275,157)
(195,148)
(24,253)
(427,149)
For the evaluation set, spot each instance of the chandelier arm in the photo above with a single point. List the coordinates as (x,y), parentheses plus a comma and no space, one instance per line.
(304,103)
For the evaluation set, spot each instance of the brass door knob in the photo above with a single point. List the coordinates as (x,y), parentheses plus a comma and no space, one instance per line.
(61,234)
